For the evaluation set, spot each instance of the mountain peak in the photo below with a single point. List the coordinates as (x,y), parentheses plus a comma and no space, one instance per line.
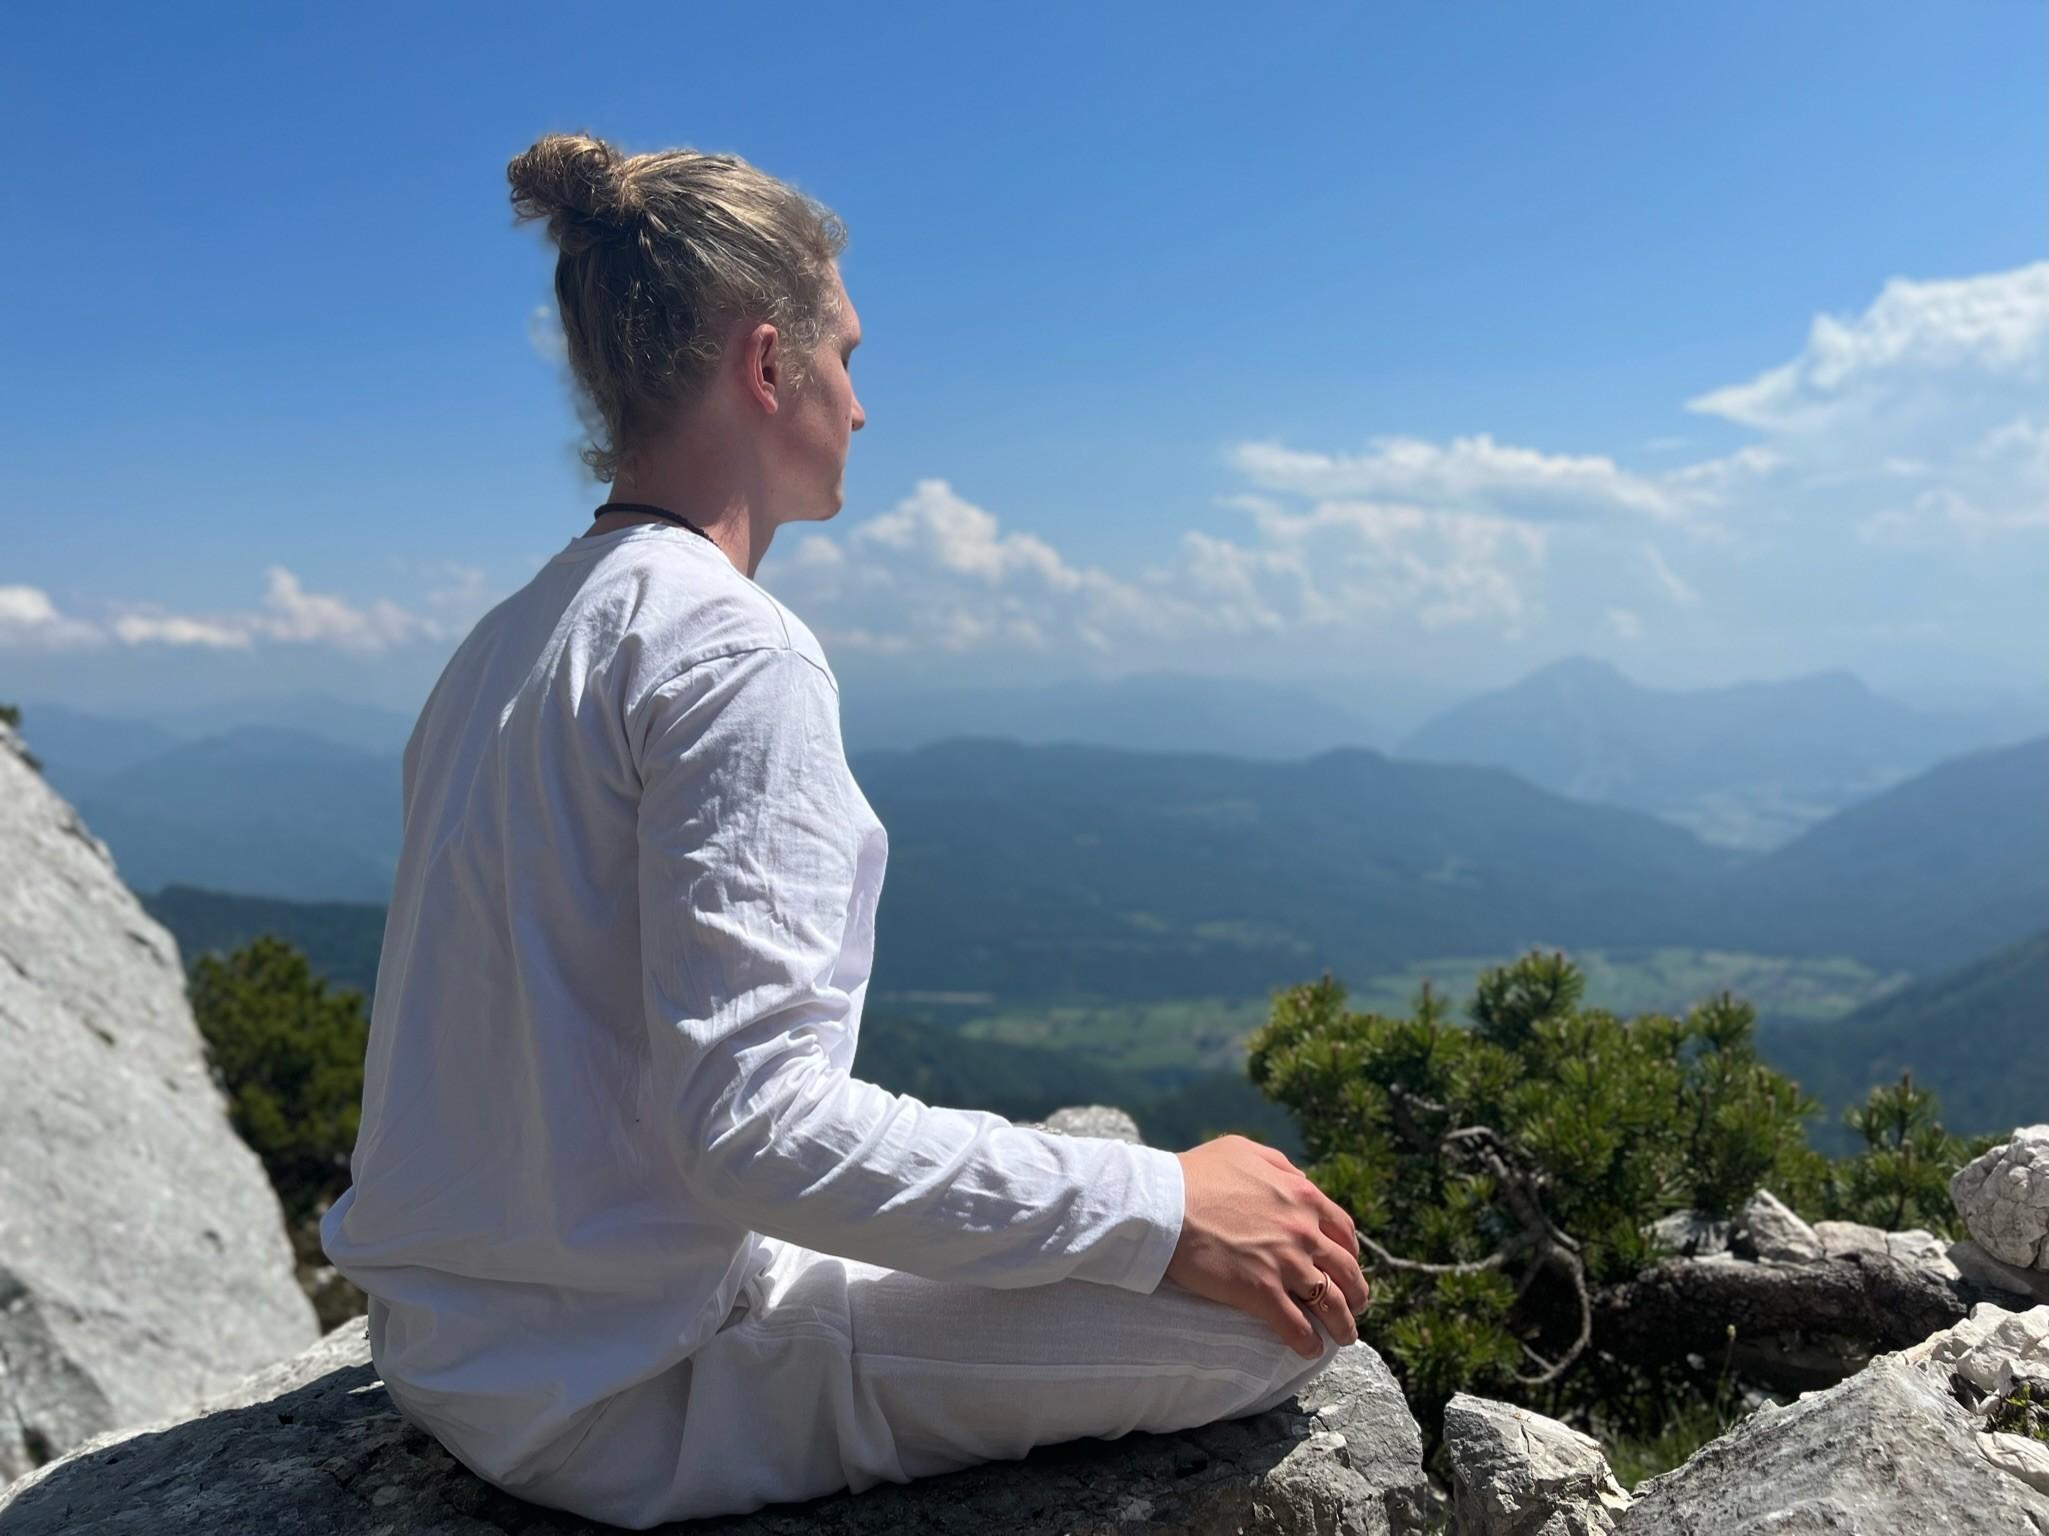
(1578,671)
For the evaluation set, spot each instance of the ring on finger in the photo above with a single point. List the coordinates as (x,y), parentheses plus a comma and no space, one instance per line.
(1315,1297)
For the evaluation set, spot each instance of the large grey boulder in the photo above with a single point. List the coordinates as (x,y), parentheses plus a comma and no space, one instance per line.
(1907,1444)
(143,1257)
(315,1448)
(1518,1473)
(2003,1198)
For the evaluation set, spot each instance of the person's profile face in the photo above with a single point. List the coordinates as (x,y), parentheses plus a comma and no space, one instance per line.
(829,411)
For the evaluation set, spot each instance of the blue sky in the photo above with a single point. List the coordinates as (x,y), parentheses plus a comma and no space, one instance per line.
(1419,342)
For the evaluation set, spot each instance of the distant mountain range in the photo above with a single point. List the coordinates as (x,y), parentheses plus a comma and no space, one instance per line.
(1144,712)
(1085,870)
(257,810)
(1748,766)
(1047,871)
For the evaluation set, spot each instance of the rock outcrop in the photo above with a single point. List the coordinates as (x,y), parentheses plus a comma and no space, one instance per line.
(1517,1473)
(315,1448)
(2003,1198)
(1810,1304)
(1090,1120)
(1904,1445)
(1922,1440)
(143,1259)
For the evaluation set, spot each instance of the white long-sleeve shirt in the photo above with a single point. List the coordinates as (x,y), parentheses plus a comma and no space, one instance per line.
(621,985)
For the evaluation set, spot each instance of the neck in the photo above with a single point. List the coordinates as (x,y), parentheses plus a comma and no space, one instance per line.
(707,488)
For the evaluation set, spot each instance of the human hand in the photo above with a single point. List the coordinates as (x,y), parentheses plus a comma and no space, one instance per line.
(1257,1235)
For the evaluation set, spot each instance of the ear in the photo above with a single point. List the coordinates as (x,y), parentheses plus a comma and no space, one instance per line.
(760,362)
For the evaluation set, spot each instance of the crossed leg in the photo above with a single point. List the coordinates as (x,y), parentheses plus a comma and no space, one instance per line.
(843,1375)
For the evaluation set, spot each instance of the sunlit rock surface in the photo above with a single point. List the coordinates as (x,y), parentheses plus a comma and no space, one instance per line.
(2003,1198)
(143,1258)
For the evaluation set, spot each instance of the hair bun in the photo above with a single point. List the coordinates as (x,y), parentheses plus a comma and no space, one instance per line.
(572,181)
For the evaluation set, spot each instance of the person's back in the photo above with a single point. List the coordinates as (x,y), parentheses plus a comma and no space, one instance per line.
(638,1243)
(516,1164)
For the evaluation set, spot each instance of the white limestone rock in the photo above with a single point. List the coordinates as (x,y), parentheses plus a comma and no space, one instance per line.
(1896,1448)
(2025,1459)
(1990,1274)
(143,1257)
(1091,1120)
(1991,1350)
(2003,1198)
(1767,1230)
(1518,1473)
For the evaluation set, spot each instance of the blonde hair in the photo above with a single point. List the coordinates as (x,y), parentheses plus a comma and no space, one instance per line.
(659,255)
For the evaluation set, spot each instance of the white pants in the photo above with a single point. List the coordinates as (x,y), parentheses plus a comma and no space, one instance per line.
(833,1374)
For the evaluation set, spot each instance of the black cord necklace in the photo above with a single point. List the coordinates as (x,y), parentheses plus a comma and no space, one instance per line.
(662,512)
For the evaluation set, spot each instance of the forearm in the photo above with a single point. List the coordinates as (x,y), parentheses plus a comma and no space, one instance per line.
(811,1155)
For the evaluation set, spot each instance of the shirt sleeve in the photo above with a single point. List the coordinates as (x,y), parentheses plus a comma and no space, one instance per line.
(751,832)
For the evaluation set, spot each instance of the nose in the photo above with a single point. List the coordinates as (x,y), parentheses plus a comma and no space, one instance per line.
(860,417)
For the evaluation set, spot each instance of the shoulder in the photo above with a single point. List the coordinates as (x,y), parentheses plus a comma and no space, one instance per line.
(688,608)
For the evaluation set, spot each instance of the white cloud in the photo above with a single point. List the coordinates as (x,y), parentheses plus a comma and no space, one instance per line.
(1469,473)
(1669,580)
(287,615)
(937,570)
(1945,519)
(1623,623)
(1347,562)
(295,616)
(544,334)
(145,627)
(1995,326)
(29,619)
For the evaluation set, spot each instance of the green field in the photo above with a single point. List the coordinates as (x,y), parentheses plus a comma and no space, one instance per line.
(1175,1039)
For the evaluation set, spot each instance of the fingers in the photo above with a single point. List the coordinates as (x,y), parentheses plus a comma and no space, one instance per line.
(1284,1313)
(1329,1306)
(1346,1278)
(1336,1222)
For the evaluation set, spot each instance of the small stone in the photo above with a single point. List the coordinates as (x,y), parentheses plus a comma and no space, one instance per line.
(1765,1229)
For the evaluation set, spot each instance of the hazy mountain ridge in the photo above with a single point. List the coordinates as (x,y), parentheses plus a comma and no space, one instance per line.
(1144,712)
(260,810)
(1748,764)
(1976,1036)
(1949,865)
(1031,870)
(1082,870)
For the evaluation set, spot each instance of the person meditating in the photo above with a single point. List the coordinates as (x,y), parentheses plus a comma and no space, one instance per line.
(638,1244)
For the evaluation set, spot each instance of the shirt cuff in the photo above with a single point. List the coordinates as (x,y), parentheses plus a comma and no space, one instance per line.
(1162,1197)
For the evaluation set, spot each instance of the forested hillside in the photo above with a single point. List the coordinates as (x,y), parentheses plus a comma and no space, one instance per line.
(1977,1037)
(1932,874)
